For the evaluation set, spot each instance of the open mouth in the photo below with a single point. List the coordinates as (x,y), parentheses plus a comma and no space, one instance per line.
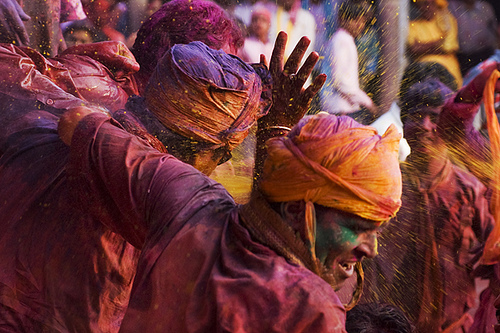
(346,268)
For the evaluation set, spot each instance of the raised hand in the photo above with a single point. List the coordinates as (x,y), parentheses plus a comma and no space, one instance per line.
(290,99)
(12,29)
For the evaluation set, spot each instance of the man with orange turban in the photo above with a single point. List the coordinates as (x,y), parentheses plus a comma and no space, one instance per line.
(273,264)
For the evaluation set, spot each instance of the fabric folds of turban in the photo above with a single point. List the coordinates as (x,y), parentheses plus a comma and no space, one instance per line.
(205,95)
(336,162)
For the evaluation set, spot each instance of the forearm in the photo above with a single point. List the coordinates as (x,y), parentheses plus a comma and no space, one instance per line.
(264,133)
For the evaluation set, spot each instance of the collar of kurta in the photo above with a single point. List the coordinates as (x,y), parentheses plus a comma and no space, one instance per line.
(267,227)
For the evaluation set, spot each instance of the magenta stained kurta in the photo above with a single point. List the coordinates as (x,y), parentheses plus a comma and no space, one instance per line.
(199,269)
(60,269)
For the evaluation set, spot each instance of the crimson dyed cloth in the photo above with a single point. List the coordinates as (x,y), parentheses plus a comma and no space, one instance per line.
(99,74)
(199,269)
(450,217)
(60,269)
(472,149)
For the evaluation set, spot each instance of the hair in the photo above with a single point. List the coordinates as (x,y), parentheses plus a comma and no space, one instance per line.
(77,25)
(182,22)
(377,318)
(429,93)
(353,9)
(421,71)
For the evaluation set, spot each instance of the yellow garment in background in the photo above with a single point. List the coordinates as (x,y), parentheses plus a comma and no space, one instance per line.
(443,26)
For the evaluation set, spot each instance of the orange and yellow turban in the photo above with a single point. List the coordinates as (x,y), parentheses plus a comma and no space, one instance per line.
(336,162)
(205,95)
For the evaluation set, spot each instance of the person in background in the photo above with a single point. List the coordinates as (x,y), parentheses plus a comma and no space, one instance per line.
(104,15)
(37,23)
(472,149)
(79,32)
(477,31)
(426,257)
(433,36)
(290,17)
(341,93)
(258,41)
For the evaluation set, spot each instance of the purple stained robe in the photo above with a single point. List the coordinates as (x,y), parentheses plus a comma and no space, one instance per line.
(199,270)
(61,270)
(427,254)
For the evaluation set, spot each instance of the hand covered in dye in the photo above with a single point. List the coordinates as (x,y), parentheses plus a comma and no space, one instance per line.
(290,99)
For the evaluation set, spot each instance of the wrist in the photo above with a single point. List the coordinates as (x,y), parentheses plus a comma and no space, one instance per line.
(273,130)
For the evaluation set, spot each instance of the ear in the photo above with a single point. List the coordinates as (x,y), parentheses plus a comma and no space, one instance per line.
(293,213)
(293,210)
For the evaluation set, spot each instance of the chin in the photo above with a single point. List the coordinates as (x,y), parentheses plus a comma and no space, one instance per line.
(335,278)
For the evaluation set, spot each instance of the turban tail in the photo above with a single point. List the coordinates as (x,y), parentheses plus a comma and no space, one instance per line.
(205,94)
(491,252)
(338,163)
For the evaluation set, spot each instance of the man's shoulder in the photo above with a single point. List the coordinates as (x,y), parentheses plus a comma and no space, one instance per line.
(467,179)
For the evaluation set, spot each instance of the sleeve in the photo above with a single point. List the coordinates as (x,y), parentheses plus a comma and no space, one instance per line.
(125,183)
(450,44)
(345,72)
(483,220)
(33,77)
(466,144)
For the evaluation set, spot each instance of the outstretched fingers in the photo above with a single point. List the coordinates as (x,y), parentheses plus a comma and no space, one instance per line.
(311,91)
(293,62)
(307,68)
(278,55)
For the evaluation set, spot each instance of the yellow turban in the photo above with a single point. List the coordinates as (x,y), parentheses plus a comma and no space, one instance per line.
(336,162)
(205,95)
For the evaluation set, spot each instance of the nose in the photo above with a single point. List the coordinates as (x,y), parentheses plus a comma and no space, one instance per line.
(368,246)
(428,124)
